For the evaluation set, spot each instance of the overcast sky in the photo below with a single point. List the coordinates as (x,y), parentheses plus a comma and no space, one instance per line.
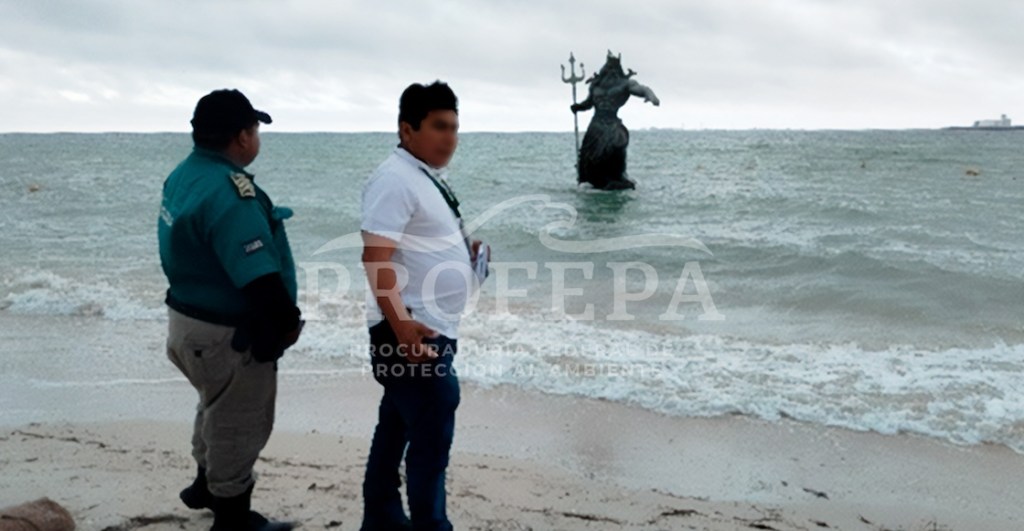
(340,65)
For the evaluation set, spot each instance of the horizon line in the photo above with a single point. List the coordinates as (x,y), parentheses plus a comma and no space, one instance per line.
(486,131)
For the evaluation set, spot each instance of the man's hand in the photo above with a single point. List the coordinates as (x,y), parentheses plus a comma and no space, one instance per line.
(475,251)
(377,253)
(410,336)
(293,336)
(271,312)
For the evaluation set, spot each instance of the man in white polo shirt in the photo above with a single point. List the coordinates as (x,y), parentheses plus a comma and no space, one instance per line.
(420,268)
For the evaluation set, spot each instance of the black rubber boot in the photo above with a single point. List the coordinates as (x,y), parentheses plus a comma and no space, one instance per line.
(235,514)
(196,495)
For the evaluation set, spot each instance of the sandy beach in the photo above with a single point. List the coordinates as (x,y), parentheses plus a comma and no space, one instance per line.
(115,452)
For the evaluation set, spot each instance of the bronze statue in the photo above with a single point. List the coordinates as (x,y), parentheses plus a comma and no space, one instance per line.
(602,158)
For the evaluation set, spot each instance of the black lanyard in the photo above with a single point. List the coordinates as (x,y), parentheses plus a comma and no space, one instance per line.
(446,192)
(453,203)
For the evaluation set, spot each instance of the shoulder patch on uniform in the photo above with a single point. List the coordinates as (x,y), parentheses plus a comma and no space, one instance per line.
(252,246)
(243,184)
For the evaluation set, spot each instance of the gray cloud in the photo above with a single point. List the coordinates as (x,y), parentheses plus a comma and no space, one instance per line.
(340,65)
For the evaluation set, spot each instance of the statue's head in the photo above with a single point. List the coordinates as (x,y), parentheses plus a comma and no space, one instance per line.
(611,71)
(612,66)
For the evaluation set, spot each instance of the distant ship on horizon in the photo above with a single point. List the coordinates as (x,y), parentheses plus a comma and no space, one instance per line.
(1002,124)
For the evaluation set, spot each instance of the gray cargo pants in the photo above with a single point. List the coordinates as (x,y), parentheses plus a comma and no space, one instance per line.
(235,414)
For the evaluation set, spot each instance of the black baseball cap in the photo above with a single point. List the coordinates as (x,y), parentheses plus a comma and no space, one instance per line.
(225,111)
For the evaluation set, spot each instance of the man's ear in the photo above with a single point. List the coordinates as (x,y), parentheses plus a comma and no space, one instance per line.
(404,131)
(238,141)
(244,137)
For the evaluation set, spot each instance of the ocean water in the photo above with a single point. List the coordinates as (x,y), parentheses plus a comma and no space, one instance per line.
(871,280)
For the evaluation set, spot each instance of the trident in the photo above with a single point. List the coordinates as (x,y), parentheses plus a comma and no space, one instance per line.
(573,79)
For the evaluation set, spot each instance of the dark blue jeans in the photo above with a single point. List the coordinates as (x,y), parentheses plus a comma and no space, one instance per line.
(417,411)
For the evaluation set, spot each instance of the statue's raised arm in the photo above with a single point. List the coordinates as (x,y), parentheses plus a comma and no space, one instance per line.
(602,159)
(643,91)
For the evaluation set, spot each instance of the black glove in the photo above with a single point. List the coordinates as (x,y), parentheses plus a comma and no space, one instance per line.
(272,318)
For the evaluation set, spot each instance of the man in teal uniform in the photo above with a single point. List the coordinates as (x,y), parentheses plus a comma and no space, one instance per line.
(231,302)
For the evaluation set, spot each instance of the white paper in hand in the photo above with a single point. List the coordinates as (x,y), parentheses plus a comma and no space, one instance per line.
(480,265)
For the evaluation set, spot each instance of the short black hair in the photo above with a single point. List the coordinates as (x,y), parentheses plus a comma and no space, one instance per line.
(215,141)
(418,100)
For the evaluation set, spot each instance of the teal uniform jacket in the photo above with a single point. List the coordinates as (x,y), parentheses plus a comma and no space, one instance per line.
(218,231)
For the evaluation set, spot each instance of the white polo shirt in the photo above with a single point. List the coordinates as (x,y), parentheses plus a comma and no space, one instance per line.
(402,204)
